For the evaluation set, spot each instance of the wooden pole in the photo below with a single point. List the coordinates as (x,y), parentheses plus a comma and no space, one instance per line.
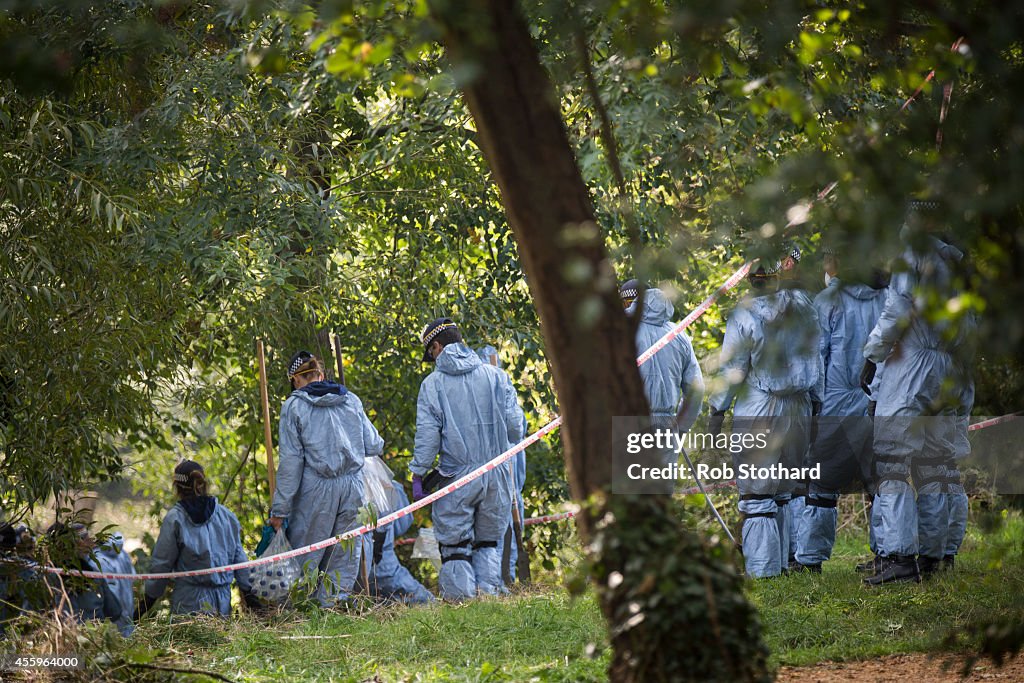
(268,438)
(338,358)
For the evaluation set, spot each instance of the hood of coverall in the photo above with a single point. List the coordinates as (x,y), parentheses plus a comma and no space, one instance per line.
(658,310)
(457,359)
(322,394)
(861,291)
(113,545)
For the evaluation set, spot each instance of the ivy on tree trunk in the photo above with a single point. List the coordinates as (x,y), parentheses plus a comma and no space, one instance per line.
(675,610)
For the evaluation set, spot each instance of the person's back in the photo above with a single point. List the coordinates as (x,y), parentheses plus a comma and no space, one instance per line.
(113,559)
(331,421)
(847,314)
(476,395)
(197,536)
(770,356)
(673,374)
(197,533)
(466,414)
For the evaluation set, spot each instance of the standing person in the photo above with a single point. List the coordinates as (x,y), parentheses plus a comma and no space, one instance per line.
(324,437)
(488,354)
(959,505)
(770,366)
(673,382)
(847,312)
(467,413)
(197,533)
(789,516)
(387,578)
(919,364)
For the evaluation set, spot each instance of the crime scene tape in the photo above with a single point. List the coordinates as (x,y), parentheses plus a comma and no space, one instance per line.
(731,282)
(529,521)
(551,426)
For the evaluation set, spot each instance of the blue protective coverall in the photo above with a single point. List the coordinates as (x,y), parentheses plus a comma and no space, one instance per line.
(324,437)
(198,533)
(920,394)
(92,601)
(468,413)
(847,314)
(518,464)
(17,573)
(673,374)
(387,577)
(772,368)
(112,559)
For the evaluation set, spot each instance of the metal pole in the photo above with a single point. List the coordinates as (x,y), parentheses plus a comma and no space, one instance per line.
(693,471)
(268,439)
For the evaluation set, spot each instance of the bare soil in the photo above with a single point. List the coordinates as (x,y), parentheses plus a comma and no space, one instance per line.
(918,668)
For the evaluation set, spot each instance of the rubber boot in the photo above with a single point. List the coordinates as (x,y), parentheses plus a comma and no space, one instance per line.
(872,566)
(949,563)
(896,569)
(928,566)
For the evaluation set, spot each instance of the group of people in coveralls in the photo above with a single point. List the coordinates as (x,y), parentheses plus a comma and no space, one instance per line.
(863,382)
(859,380)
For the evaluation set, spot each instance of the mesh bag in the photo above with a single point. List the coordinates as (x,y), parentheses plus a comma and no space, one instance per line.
(271,582)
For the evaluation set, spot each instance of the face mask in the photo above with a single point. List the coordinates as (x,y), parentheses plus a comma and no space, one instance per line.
(828,279)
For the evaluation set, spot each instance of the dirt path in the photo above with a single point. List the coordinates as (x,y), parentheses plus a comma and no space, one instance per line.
(916,668)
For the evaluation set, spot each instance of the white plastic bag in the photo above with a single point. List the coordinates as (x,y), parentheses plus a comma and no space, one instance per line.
(377,486)
(271,582)
(426,547)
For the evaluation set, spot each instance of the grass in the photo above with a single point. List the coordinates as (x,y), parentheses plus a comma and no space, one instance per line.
(539,636)
(544,635)
(832,617)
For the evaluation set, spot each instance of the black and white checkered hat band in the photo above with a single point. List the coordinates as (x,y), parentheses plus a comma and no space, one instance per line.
(921,206)
(427,337)
(629,294)
(795,253)
(181,478)
(297,363)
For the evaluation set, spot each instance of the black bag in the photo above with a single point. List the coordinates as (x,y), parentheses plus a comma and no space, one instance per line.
(435,480)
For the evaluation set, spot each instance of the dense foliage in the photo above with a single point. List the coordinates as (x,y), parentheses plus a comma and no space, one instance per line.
(178,180)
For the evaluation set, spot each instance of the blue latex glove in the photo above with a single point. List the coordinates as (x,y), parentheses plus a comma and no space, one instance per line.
(417,487)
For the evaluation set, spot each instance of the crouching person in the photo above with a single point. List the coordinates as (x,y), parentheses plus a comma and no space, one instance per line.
(387,578)
(85,599)
(197,533)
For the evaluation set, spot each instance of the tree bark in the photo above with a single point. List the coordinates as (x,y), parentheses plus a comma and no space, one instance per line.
(647,568)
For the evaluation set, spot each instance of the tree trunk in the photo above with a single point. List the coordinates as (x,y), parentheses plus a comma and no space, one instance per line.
(648,569)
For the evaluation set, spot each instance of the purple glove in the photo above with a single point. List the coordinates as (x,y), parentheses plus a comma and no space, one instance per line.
(417,487)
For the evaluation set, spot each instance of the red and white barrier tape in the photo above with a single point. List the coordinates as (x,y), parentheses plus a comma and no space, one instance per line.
(440,493)
(529,521)
(993,421)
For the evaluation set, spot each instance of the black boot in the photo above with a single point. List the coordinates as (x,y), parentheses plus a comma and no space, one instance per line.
(797,568)
(949,563)
(872,566)
(897,568)
(928,566)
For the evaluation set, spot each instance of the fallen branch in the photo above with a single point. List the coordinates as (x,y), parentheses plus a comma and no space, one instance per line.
(179,670)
